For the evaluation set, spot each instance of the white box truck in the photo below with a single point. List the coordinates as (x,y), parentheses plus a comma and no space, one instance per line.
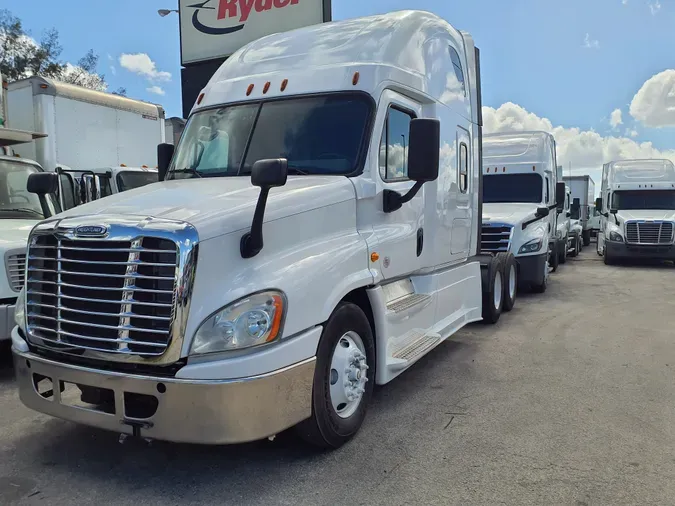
(521,199)
(88,132)
(278,271)
(637,209)
(583,202)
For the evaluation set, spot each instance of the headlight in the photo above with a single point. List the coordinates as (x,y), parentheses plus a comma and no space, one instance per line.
(531,246)
(615,236)
(251,321)
(20,310)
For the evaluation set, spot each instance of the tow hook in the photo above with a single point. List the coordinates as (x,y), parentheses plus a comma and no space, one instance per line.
(136,426)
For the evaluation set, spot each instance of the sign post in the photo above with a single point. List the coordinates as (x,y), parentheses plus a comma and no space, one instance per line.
(211,30)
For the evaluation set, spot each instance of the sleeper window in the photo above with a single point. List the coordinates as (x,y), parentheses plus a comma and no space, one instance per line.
(457,66)
(394,145)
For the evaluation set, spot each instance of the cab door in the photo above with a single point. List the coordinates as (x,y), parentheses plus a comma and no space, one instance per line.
(399,236)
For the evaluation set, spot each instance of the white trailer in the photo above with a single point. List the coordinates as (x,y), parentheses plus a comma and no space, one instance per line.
(521,196)
(583,203)
(174,129)
(637,210)
(216,308)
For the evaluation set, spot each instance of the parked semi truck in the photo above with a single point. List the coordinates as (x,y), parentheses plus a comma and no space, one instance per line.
(521,196)
(583,188)
(89,134)
(279,271)
(637,209)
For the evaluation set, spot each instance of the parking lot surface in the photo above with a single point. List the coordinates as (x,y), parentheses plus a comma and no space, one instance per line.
(569,399)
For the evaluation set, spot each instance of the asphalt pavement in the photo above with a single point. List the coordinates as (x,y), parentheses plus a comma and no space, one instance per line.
(569,399)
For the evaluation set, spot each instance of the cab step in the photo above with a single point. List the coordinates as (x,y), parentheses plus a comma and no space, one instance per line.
(407,302)
(410,347)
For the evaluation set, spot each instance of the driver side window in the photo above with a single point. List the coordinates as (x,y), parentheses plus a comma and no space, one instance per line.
(394,145)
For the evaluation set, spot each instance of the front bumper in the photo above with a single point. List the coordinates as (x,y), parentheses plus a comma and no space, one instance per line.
(6,322)
(531,268)
(656,251)
(187,411)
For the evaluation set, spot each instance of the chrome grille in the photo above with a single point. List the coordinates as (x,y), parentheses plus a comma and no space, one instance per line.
(649,232)
(102,295)
(16,270)
(495,237)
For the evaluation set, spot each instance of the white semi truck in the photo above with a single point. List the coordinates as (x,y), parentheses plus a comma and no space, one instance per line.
(637,209)
(91,135)
(279,271)
(583,189)
(521,196)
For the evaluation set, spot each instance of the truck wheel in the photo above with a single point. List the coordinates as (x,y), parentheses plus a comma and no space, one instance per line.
(541,287)
(607,258)
(562,252)
(553,257)
(587,237)
(575,251)
(493,292)
(510,277)
(343,379)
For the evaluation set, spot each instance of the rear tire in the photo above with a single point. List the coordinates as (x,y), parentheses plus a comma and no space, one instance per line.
(562,252)
(493,292)
(587,237)
(510,279)
(347,333)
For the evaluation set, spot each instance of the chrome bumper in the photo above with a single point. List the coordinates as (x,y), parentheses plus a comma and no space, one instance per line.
(188,411)
(6,322)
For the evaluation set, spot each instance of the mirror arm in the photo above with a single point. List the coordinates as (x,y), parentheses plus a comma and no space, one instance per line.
(392,200)
(252,242)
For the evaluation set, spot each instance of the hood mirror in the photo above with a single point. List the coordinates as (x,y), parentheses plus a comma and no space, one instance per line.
(266,174)
(543,212)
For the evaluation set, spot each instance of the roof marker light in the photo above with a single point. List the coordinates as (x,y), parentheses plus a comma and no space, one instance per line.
(355,79)
(266,87)
(249,90)
(200,98)
(534,169)
(284,83)
(488,169)
(503,169)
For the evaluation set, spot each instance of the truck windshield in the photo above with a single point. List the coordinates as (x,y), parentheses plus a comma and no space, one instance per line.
(643,199)
(317,135)
(512,188)
(128,180)
(15,200)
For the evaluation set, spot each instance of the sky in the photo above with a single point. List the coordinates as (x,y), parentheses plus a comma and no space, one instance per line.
(599,74)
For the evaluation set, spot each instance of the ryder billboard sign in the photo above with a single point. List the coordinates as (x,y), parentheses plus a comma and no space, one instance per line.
(212,29)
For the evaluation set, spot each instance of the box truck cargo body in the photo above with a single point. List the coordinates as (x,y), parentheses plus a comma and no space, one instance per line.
(85,129)
(583,188)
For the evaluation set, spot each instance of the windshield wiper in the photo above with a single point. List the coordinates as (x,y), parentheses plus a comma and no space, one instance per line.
(297,171)
(23,210)
(187,170)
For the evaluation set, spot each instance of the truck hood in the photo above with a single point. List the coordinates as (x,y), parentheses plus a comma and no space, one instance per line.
(646,214)
(508,213)
(14,233)
(217,206)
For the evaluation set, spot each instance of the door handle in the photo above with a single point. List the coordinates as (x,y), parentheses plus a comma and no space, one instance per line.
(420,241)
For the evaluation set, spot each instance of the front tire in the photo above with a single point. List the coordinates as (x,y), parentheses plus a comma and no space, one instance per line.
(344,379)
(554,257)
(587,237)
(562,251)
(510,278)
(608,259)
(493,292)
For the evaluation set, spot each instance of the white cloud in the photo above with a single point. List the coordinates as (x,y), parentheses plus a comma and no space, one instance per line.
(625,2)
(591,43)
(585,149)
(654,103)
(631,132)
(615,118)
(142,64)
(157,90)
(113,70)
(654,7)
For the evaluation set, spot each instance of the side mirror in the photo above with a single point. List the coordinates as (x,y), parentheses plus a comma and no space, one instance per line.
(560,192)
(543,212)
(598,203)
(43,183)
(266,174)
(568,214)
(423,159)
(424,149)
(576,202)
(164,155)
(613,211)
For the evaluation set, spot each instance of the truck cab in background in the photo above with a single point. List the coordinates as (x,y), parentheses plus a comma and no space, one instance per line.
(277,271)
(583,190)
(637,208)
(20,211)
(563,228)
(521,196)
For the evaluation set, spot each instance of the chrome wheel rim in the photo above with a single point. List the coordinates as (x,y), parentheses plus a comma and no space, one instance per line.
(348,376)
(512,282)
(498,290)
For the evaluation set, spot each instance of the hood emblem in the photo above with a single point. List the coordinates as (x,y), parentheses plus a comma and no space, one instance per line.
(91,230)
